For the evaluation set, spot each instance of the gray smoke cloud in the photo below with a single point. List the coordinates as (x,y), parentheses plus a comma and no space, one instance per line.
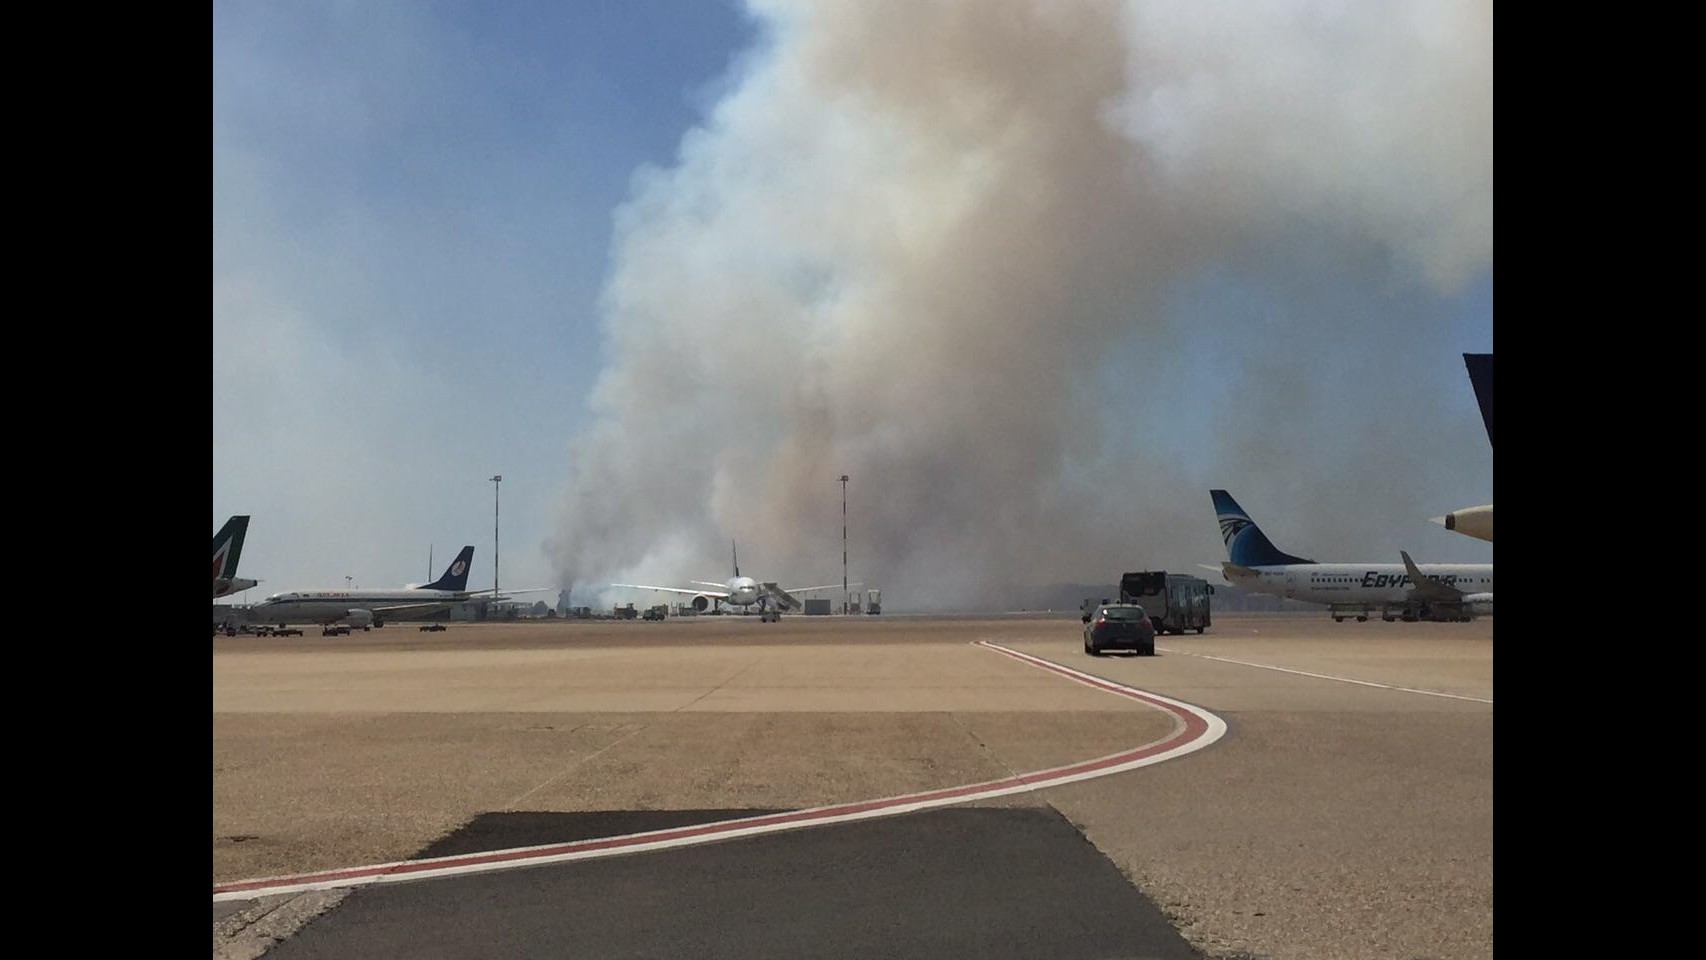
(974,254)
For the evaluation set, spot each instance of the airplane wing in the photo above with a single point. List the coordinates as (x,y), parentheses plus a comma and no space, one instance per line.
(1229,570)
(475,593)
(697,593)
(1428,588)
(827,586)
(400,607)
(707,583)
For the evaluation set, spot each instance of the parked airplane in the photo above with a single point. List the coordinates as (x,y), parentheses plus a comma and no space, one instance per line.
(227,548)
(365,608)
(1476,522)
(740,591)
(1254,563)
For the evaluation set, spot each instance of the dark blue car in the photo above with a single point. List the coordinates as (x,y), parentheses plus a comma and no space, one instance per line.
(1119,626)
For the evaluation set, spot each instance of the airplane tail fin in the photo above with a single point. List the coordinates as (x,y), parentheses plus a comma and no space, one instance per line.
(228,547)
(1246,545)
(736,554)
(1481,377)
(456,575)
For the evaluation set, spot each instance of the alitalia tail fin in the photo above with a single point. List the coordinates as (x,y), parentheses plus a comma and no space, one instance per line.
(228,547)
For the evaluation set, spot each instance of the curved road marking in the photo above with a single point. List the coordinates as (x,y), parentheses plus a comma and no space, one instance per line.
(1328,676)
(1195,729)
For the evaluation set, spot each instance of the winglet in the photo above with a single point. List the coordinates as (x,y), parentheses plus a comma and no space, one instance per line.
(1410,567)
(1425,585)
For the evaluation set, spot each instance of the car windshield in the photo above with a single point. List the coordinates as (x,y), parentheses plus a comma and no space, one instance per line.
(1123,613)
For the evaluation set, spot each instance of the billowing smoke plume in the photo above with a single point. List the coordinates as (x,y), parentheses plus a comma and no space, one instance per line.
(948,248)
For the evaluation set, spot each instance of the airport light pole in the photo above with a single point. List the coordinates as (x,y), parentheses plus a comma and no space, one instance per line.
(496,479)
(844,543)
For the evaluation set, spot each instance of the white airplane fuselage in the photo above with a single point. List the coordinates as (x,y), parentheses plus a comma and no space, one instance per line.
(737,591)
(331,606)
(1371,583)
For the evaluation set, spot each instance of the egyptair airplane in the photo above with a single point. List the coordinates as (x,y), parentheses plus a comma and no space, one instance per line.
(739,591)
(368,608)
(1254,563)
(227,548)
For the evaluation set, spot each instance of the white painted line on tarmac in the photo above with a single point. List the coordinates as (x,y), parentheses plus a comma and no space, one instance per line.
(1196,728)
(1328,676)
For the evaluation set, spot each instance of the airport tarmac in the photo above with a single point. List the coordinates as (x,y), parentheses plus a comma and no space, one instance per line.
(1346,812)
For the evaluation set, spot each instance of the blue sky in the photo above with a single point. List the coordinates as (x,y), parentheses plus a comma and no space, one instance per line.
(1033,273)
(427,191)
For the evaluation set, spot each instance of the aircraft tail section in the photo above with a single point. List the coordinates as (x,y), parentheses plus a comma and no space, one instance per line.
(1481,377)
(456,575)
(228,547)
(736,555)
(1246,545)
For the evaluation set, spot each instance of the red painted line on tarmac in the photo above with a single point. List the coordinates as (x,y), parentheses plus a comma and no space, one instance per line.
(1195,725)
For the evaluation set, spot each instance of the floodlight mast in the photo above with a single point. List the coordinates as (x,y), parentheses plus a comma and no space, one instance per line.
(844,603)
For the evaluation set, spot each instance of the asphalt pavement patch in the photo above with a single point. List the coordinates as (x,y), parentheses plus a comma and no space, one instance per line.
(970,882)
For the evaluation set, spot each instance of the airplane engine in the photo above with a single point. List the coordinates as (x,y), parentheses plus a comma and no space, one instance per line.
(701,603)
(359,618)
(1475,522)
